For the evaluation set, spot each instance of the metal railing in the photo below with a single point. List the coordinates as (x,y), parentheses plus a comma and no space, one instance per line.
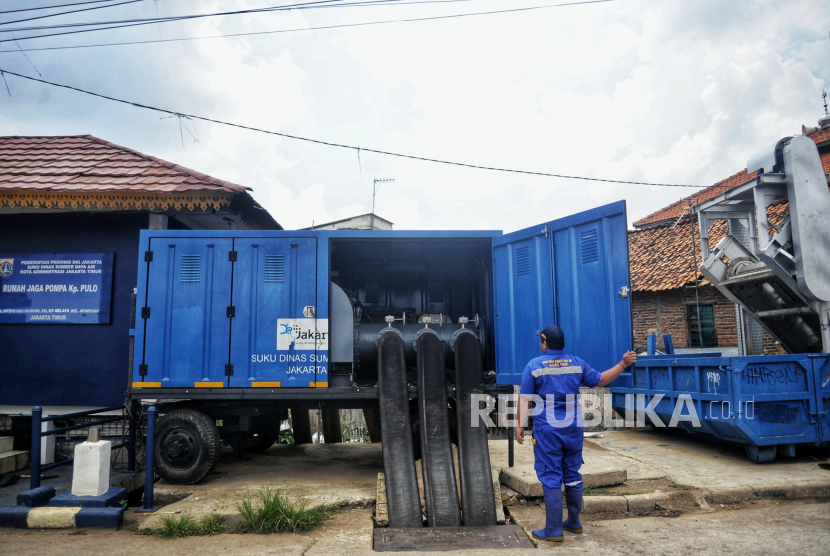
(38,434)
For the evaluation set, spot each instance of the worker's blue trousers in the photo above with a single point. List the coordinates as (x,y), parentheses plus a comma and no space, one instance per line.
(558,454)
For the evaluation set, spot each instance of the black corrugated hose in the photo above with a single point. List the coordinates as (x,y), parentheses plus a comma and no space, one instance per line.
(440,494)
(402,496)
(477,498)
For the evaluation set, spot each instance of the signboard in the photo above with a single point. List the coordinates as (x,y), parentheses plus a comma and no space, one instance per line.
(55,288)
(303,334)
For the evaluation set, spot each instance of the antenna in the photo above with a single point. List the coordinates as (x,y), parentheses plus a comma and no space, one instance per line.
(377,185)
(824,97)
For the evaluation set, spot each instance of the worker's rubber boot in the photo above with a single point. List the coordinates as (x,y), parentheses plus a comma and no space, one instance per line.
(553,517)
(573,498)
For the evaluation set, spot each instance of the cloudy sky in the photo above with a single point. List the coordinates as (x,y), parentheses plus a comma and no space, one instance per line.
(675,91)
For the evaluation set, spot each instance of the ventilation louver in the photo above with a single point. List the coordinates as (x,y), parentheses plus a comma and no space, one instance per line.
(274,268)
(522,260)
(191,268)
(589,245)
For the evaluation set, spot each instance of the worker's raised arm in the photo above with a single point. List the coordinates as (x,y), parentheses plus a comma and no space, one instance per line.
(522,412)
(608,376)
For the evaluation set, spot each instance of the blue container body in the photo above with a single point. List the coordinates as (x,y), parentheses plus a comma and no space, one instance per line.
(214,308)
(755,401)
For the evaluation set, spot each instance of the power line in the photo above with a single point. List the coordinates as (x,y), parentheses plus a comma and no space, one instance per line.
(69,12)
(318,28)
(120,24)
(55,6)
(340,145)
(164,19)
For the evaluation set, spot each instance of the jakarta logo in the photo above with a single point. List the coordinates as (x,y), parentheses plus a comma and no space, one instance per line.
(287,329)
(6,268)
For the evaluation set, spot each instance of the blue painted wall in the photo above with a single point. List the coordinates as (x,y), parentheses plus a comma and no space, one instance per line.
(64,364)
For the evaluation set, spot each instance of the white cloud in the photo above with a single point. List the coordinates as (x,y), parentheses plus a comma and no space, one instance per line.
(680,92)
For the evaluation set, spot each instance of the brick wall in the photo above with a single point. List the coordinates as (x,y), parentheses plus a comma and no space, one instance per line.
(664,312)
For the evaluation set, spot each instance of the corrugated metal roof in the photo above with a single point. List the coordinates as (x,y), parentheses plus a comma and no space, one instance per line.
(86,163)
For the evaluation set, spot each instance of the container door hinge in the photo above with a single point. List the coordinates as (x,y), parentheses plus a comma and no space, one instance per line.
(232,256)
(231,311)
(142,369)
(148,256)
(145,312)
(229,370)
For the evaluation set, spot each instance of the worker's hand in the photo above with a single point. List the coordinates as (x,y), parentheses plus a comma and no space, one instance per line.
(629,359)
(520,435)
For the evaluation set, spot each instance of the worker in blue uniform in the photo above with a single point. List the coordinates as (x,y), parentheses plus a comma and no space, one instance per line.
(552,381)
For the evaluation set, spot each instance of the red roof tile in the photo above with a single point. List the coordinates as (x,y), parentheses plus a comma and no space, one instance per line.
(86,163)
(661,256)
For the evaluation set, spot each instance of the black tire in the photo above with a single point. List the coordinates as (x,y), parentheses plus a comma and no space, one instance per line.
(188,446)
(267,431)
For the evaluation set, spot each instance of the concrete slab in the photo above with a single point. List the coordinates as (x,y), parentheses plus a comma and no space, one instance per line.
(703,464)
(113,498)
(597,460)
(14,460)
(523,479)
(6,444)
(342,474)
(61,479)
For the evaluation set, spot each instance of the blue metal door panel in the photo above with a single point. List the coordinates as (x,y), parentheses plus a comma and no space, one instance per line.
(274,279)
(573,283)
(188,294)
(523,299)
(591,268)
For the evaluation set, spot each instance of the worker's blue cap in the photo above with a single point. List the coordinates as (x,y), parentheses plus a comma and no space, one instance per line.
(551,334)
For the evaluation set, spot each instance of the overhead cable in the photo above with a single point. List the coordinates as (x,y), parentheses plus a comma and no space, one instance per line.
(301,6)
(340,145)
(68,12)
(55,6)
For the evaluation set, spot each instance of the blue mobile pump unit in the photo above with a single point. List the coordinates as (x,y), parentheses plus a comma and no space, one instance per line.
(779,276)
(236,328)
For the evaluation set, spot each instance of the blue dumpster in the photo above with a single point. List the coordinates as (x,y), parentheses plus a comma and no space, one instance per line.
(769,404)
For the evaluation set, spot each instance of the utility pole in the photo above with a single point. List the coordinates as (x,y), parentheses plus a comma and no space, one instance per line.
(377,185)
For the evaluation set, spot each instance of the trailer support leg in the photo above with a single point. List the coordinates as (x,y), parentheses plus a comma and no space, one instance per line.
(34,472)
(332,431)
(301,426)
(131,438)
(150,463)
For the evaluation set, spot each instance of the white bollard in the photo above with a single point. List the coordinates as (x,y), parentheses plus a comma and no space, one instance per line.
(91,473)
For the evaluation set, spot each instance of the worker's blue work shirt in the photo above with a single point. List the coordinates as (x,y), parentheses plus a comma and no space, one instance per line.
(556,376)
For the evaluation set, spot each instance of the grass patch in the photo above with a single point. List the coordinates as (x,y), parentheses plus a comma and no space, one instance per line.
(631,493)
(129,525)
(588,492)
(274,512)
(185,525)
(685,487)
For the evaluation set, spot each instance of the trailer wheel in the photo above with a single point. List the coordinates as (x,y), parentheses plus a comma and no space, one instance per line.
(188,446)
(267,431)
(760,454)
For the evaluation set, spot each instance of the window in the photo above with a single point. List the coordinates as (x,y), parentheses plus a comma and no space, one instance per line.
(701,320)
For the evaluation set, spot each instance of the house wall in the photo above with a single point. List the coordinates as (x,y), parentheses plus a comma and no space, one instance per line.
(664,312)
(71,364)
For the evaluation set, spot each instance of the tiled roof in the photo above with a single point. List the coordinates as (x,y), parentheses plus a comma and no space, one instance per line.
(661,256)
(675,210)
(820,136)
(86,163)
